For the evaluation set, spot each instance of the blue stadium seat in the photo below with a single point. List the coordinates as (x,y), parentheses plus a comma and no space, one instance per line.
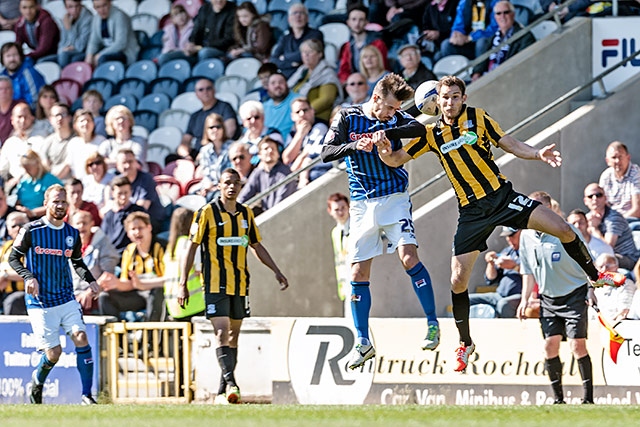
(104,86)
(132,86)
(110,70)
(282,5)
(315,18)
(156,38)
(156,102)
(128,101)
(324,6)
(144,69)
(261,6)
(142,37)
(243,67)
(166,85)
(179,69)
(279,21)
(211,68)
(147,119)
(189,85)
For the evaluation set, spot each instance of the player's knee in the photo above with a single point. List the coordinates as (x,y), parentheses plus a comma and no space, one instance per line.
(458,284)
(80,339)
(53,354)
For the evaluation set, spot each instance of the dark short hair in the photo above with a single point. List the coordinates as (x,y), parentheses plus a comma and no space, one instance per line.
(231,171)
(6,47)
(393,84)
(451,81)
(336,197)
(267,67)
(357,6)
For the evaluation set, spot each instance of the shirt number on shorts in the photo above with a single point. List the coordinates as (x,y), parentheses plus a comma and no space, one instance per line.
(407,225)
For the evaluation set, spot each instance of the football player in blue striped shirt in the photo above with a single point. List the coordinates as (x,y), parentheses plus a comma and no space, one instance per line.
(47,245)
(379,203)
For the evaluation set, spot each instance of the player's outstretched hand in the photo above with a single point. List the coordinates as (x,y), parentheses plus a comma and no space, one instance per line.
(550,156)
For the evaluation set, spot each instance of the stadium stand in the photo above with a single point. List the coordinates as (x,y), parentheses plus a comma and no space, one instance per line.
(110,70)
(166,85)
(132,86)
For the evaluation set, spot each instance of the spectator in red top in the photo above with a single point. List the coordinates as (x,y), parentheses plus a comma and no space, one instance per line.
(74,196)
(37,29)
(350,51)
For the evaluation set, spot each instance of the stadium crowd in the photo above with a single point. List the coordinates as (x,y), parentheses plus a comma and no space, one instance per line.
(132,104)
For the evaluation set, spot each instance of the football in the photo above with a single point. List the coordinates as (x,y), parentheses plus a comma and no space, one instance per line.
(426,98)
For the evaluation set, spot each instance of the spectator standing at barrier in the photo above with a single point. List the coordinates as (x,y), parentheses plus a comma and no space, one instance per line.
(26,80)
(286,53)
(98,254)
(503,270)
(563,289)
(206,93)
(49,287)
(11,283)
(175,35)
(226,229)
(141,281)
(75,29)
(269,172)
(338,209)
(621,183)
(359,37)
(112,37)
(212,33)
(37,29)
(462,140)
(380,205)
(609,225)
(505,16)
(6,105)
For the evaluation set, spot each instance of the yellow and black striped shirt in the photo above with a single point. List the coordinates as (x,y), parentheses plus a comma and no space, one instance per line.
(224,239)
(153,263)
(464,151)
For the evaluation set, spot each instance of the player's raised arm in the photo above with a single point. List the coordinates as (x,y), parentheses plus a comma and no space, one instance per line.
(386,153)
(519,149)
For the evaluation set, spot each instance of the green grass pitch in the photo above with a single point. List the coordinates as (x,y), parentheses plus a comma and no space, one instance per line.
(308,415)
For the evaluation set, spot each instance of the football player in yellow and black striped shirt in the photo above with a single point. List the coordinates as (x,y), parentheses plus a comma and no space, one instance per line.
(225,230)
(462,140)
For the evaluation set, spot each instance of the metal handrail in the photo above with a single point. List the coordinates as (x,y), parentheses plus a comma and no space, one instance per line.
(545,109)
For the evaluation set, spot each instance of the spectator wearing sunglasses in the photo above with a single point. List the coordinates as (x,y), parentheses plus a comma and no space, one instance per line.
(214,155)
(609,225)
(357,89)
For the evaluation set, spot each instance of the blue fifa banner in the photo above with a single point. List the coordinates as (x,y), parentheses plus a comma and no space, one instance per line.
(614,39)
(20,357)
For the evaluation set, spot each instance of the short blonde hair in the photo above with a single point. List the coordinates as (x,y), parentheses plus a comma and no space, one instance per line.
(114,111)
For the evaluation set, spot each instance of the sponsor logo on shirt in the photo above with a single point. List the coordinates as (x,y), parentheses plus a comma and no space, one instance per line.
(467,138)
(233,241)
(49,251)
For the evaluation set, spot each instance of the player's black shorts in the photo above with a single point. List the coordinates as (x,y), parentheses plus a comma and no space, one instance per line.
(478,219)
(223,305)
(565,315)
